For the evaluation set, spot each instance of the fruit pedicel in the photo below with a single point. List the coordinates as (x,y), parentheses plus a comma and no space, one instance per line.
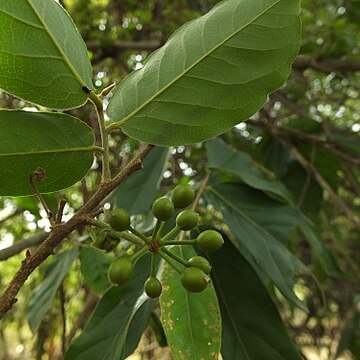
(194,272)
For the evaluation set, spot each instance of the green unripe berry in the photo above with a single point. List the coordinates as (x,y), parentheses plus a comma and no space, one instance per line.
(119,220)
(194,279)
(153,287)
(182,196)
(163,209)
(120,271)
(187,219)
(210,241)
(200,263)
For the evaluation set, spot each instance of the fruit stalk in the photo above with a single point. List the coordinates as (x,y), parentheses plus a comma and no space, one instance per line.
(173,256)
(178,242)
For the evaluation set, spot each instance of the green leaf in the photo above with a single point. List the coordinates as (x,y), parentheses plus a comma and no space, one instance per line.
(348,141)
(307,193)
(224,158)
(31,203)
(261,224)
(211,74)
(137,192)
(326,163)
(94,267)
(43,58)
(43,296)
(59,144)
(192,322)
(115,329)
(252,326)
(322,257)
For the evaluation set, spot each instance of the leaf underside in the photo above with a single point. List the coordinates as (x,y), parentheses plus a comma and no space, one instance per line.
(261,226)
(121,317)
(44,295)
(213,73)
(223,158)
(252,326)
(59,144)
(43,58)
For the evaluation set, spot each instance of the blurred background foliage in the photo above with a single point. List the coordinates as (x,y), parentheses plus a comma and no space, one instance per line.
(307,135)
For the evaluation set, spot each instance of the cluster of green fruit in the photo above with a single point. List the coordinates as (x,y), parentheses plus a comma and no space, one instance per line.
(194,272)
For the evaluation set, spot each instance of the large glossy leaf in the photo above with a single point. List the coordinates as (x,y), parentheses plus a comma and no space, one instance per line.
(43,296)
(137,192)
(252,326)
(122,315)
(191,321)
(59,144)
(261,226)
(211,74)
(94,267)
(43,58)
(224,158)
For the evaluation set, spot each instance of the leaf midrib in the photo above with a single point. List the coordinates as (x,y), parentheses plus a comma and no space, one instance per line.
(188,314)
(123,121)
(51,151)
(63,55)
(236,331)
(255,224)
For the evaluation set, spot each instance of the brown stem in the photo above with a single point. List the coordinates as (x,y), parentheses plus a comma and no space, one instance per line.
(12,215)
(201,190)
(63,318)
(22,245)
(60,211)
(39,175)
(326,65)
(60,231)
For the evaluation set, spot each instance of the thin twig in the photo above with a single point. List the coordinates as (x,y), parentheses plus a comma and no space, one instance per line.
(312,139)
(12,215)
(22,245)
(201,190)
(307,180)
(63,318)
(103,136)
(337,200)
(60,211)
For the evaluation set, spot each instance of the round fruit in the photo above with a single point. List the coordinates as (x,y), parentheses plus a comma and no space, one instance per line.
(119,220)
(153,287)
(200,263)
(120,270)
(182,196)
(163,209)
(187,219)
(194,279)
(210,241)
